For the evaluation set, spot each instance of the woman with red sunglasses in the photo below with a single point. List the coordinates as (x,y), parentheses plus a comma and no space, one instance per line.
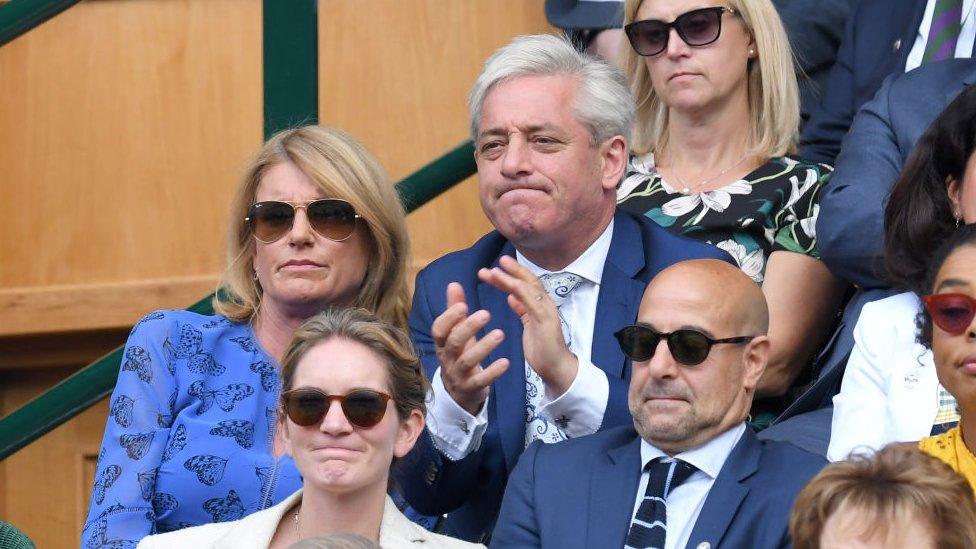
(315,224)
(717,118)
(353,402)
(947,325)
(890,392)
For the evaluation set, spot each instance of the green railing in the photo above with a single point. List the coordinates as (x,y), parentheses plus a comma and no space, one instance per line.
(290,98)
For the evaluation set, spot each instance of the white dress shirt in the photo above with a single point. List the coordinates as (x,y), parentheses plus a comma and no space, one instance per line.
(964,46)
(685,502)
(457,433)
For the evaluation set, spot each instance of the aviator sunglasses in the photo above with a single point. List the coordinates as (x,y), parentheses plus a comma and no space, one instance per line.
(951,312)
(362,407)
(330,218)
(697,28)
(688,347)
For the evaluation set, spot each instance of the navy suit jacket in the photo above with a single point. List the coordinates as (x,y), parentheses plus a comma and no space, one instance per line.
(471,489)
(815,28)
(850,227)
(877,40)
(748,505)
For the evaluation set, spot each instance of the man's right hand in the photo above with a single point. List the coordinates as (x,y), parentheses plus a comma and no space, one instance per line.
(460,353)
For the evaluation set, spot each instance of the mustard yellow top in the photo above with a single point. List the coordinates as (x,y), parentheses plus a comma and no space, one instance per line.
(949,447)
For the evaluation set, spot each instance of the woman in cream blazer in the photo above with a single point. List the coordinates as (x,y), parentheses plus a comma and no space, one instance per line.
(256,531)
(890,390)
(352,402)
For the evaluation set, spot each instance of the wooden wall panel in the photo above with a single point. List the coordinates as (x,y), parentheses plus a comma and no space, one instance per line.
(396,74)
(44,487)
(124,126)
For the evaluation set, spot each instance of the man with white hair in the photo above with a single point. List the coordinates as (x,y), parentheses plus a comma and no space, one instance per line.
(516,332)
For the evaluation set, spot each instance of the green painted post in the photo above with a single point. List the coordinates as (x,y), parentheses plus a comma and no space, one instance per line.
(291,64)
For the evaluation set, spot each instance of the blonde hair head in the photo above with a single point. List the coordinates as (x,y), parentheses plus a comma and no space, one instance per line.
(774,97)
(897,484)
(343,169)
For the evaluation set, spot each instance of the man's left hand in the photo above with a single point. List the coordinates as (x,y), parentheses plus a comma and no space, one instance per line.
(542,335)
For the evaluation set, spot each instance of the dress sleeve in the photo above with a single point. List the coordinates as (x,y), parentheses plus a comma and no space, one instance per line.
(795,224)
(137,437)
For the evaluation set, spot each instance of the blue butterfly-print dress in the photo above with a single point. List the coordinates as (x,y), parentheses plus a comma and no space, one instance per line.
(189,434)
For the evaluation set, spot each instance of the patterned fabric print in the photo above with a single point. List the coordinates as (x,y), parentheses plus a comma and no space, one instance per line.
(773,208)
(948,414)
(189,436)
(537,426)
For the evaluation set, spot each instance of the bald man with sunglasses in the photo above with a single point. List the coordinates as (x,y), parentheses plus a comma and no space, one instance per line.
(689,472)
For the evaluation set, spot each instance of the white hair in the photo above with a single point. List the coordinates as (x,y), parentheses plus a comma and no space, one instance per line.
(603,101)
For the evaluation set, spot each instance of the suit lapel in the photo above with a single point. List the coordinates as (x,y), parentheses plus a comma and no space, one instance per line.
(508,392)
(257,528)
(620,294)
(953,89)
(727,493)
(911,13)
(612,495)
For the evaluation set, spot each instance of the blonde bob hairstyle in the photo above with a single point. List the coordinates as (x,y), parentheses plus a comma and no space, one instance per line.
(898,484)
(774,97)
(343,169)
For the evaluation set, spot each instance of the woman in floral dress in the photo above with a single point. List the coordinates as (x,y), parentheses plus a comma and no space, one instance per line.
(718,113)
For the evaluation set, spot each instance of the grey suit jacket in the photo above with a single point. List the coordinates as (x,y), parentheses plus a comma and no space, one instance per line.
(255,531)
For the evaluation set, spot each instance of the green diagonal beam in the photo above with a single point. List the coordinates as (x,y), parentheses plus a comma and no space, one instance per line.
(20,16)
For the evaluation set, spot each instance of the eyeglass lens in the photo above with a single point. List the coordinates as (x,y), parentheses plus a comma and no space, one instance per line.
(688,347)
(951,312)
(696,28)
(330,218)
(363,408)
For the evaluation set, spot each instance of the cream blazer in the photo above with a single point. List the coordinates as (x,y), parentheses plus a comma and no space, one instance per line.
(255,531)
(890,391)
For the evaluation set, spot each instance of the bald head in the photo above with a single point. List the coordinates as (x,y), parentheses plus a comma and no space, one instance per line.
(681,404)
(723,286)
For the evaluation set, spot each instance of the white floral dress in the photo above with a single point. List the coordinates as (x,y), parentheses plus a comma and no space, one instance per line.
(772,208)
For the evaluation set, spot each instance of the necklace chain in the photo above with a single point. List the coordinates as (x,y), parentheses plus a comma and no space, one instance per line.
(298,533)
(685,189)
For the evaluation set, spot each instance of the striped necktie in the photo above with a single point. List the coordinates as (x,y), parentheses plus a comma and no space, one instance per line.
(649,528)
(944,32)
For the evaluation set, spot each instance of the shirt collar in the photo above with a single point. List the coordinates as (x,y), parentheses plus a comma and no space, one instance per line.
(708,458)
(588,265)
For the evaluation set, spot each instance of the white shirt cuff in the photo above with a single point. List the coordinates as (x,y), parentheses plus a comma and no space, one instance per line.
(579,411)
(455,432)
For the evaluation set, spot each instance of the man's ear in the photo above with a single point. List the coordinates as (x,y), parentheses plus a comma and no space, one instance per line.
(613,153)
(754,358)
(407,433)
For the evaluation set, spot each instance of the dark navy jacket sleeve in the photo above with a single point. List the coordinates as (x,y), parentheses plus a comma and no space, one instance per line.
(850,227)
(517,523)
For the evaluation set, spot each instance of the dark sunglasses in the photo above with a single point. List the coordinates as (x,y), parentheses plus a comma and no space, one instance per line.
(329,217)
(697,28)
(362,407)
(951,312)
(689,347)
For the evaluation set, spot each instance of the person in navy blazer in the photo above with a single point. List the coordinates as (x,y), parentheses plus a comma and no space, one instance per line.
(584,492)
(548,178)
(850,228)
(877,40)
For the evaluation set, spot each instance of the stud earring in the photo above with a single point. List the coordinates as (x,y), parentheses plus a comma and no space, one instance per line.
(752,52)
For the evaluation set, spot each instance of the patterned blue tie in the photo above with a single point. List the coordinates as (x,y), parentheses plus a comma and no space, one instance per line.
(559,286)
(649,528)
